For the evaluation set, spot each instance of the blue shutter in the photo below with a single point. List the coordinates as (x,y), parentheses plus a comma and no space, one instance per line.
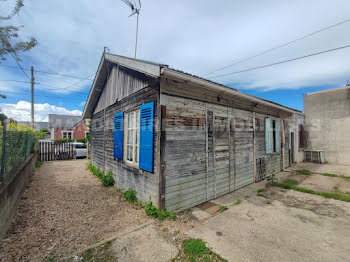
(118,135)
(146,137)
(268,136)
(277,140)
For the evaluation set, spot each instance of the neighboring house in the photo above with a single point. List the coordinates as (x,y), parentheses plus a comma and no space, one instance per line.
(180,139)
(67,126)
(327,115)
(37,125)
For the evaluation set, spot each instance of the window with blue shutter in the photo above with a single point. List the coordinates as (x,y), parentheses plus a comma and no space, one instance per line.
(118,135)
(268,135)
(146,137)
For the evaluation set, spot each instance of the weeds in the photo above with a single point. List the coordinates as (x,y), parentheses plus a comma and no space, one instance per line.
(130,195)
(154,212)
(331,175)
(101,253)
(305,172)
(223,208)
(195,247)
(261,191)
(107,180)
(271,179)
(38,164)
(196,250)
(238,201)
(292,184)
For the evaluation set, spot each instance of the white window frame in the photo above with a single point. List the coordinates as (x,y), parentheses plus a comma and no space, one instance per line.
(86,132)
(135,144)
(71,132)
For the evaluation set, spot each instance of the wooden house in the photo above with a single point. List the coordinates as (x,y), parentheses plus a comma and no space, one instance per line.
(180,139)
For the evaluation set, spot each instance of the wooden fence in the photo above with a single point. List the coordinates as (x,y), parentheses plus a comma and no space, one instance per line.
(50,151)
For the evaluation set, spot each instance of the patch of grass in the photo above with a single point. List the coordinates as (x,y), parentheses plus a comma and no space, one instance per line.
(165,230)
(101,253)
(195,247)
(223,208)
(108,180)
(38,164)
(304,172)
(262,190)
(238,201)
(24,197)
(196,250)
(331,175)
(292,184)
(51,259)
(154,212)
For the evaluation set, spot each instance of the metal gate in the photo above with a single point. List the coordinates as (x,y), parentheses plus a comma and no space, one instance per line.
(50,151)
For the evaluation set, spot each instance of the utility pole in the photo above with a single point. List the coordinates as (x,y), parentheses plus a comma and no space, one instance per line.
(32,89)
(137,29)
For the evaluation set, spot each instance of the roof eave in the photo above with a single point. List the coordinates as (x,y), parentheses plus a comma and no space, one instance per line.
(168,72)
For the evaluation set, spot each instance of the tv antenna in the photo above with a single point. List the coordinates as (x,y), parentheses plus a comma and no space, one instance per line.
(135,9)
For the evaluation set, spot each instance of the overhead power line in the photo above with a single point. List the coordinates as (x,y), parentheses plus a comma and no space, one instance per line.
(277,47)
(19,65)
(282,62)
(45,72)
(29,94)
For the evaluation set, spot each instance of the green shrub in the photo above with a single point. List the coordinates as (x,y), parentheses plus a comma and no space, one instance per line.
(154,212)
(62,140)
(195,247)
(82,140)
(130,195)
(108,179)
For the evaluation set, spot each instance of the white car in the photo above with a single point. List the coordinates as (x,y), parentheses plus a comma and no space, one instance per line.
(80,149)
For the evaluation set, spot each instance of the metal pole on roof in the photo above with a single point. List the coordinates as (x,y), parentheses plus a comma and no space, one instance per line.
(32,93)
(135,10)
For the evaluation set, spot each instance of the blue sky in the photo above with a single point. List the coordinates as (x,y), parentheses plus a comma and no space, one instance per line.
(196,37)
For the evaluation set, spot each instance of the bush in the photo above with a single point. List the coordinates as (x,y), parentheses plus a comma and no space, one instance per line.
(82,140)
(62,140)
(271,179)
(154,212)
(107,180)
(130,195)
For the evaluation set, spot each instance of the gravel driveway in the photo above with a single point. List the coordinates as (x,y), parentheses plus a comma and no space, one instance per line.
(64,209)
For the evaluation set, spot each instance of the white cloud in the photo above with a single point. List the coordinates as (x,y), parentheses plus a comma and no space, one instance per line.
(22,111)
(194,36)
(83,103)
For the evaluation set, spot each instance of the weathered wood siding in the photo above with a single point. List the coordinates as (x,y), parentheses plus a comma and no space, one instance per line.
(208,151)
(143,182)
(120,83)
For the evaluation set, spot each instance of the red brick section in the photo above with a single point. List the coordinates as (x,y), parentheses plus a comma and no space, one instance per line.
(78,131)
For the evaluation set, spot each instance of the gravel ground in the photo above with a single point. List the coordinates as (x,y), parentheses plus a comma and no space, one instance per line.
(65,208)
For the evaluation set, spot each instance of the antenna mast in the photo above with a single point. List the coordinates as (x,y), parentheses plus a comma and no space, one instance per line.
(135,9)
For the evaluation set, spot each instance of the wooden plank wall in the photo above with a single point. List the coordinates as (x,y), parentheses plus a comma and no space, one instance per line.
(121,83)
(244,148)
(208,151)
(143,182)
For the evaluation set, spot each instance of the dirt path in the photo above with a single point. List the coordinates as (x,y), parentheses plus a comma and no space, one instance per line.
(64,209)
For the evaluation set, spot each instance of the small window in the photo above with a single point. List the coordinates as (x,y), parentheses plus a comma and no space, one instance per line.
(87,134)
(132,136)
(274,135)
(67,134)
